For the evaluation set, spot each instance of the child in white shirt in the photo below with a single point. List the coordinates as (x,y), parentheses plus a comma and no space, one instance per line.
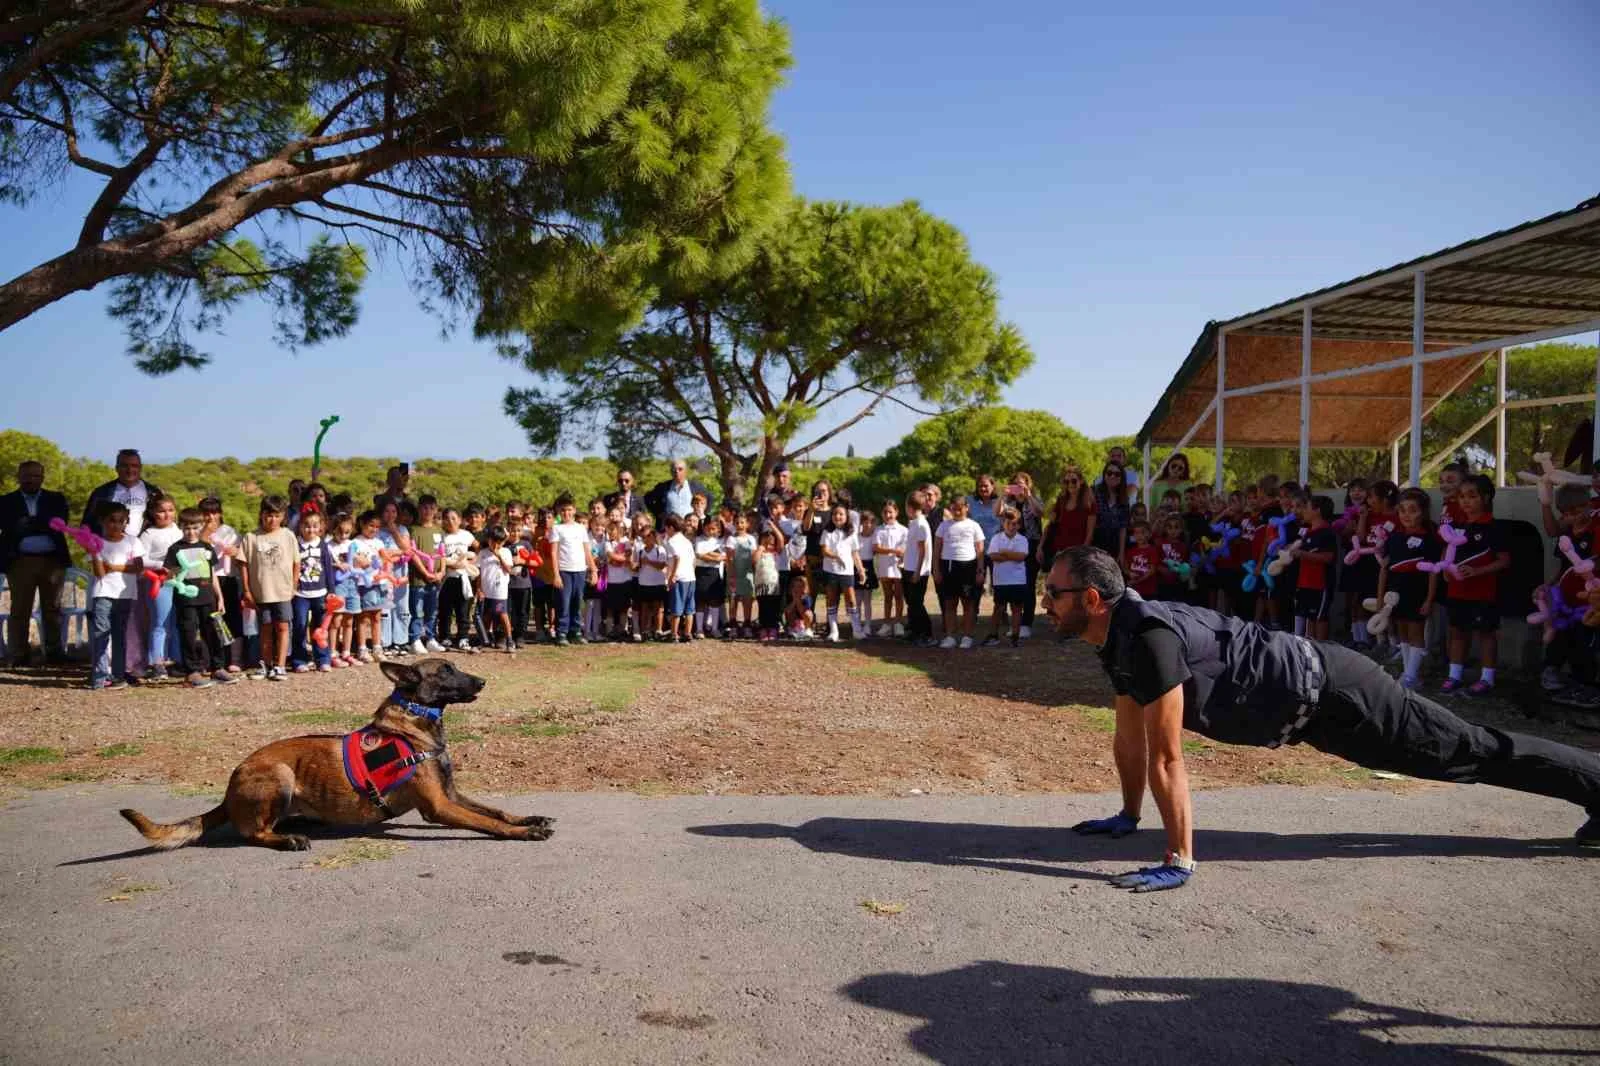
(958,542)
(1008,553)
(569,539)
(915,564)
(117,566)
(621,553)
(455,595)
(888,546)
(653,560)
(161,532)
(710,582)
(841,566)
(680,581)
(494,584)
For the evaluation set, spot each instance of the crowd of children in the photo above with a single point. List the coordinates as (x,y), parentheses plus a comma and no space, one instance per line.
(320,586)
(1279,555)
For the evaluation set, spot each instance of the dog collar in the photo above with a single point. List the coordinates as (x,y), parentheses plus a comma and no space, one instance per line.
(432,714)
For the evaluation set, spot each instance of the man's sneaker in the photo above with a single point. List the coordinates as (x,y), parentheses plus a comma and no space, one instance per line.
(416,647)
(1550,679)
(302,668)
(1025,632)
(637,638)
(156,673)
(198,680)
(258,673)
(947,643)
(464,646)
(579,638)
(561,641)
(1451,685)
(991,641)
(899,629)
(1589,832)
(833,633)
(434,646)
(966,643)
(1479,687)
(277,673)
(223,677)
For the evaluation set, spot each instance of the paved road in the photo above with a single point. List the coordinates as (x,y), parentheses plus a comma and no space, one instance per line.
(1323,927)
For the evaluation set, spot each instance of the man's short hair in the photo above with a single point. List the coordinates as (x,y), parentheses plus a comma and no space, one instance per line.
(1570,496)
(128,453)
(26,463)
(1093,568)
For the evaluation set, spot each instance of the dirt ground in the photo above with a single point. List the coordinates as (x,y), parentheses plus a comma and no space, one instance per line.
(874,718)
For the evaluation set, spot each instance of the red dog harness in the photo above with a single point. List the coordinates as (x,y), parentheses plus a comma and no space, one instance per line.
(377,763)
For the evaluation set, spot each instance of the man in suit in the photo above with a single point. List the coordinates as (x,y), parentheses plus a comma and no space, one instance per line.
(34,559)
(630,501)
(129,489)
(675,495)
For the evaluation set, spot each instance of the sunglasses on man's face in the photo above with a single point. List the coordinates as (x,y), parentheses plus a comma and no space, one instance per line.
(1052,592)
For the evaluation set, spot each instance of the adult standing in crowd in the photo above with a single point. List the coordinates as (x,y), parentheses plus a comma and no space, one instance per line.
(129,489)
(34,559)
(1072,518)
(782,487)
(1174,475)
(1020,494)
(984,506)
(1112,504)
(935,497)
(1119,455)
(625,497)
(396,482)
(675,496)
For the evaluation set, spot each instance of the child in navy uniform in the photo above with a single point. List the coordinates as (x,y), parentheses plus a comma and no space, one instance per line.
(1412,543)
(1313,596)
(1475,592)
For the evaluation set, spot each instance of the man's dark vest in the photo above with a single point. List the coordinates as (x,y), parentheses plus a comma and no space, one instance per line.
(1250,685)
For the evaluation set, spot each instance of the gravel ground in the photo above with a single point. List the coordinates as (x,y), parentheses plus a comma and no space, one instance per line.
(1448,925)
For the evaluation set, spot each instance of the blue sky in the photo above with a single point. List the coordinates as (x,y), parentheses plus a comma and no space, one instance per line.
(1126,178)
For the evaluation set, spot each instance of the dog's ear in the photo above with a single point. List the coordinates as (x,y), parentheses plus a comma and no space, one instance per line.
(403,676)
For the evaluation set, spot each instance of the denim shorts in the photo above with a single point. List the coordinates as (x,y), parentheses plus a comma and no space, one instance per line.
(681,599)
(267,613)
(373,599)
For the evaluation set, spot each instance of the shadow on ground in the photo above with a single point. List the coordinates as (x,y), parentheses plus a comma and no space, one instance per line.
(996,1012)
(228,837)
(1032,849)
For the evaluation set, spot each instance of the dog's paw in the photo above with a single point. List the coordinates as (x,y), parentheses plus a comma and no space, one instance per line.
(537,832)
(296,842)
(538,821)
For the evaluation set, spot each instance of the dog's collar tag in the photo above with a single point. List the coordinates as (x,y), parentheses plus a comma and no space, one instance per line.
(432,714)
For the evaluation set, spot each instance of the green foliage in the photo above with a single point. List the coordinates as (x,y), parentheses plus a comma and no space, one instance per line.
(1535,371)
(842,309)
(76,478)
(494,144)
(952,450)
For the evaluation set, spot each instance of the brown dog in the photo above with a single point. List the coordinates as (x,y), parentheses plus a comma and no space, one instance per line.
(307,776)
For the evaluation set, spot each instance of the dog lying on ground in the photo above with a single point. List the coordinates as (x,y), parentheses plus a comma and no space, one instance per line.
(396,764)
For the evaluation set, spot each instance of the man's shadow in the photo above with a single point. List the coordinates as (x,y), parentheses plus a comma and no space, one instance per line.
(996,1012)
(1035,849)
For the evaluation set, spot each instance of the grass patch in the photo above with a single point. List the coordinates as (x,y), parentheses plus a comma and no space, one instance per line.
(1099,719)
(882,908)
(30,756)
(658,789)
(73,777)
(190,791)
(886,671)
(1197,747)
(119,751)
(1286,775)
(355,854)
(543,729)
(341,719)
(467,738)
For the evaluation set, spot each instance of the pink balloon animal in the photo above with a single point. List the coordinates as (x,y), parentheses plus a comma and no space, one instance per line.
(86,538)
(1453,538)
(1357,549)
(1580,565)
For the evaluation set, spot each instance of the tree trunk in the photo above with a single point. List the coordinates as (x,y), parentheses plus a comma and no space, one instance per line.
(75,271)
(734,471)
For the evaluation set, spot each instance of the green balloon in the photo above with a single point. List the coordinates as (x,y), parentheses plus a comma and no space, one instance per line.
(316,449)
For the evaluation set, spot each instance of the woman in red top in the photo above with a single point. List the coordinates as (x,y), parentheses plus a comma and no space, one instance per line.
(1072,520)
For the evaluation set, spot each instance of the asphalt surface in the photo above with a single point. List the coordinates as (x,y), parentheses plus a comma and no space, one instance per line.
(1450,925)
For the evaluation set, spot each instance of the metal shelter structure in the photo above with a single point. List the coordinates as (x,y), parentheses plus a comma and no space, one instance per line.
(1371,357)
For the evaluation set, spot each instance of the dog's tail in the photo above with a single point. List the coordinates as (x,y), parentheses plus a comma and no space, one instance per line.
(176,834)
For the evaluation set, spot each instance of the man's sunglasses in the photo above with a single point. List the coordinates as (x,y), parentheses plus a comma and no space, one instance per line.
(1051,592)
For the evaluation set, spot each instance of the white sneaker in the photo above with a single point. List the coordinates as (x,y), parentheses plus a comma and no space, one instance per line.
(434,646)
(948,642)
(966,643)
(899,630)
(418,648)
(833,632)
(884,629)
(1025,632)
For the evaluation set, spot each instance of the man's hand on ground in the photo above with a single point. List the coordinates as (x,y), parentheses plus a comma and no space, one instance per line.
(1118,825)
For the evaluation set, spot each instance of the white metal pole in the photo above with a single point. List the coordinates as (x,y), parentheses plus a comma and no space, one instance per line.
(1418,310)
(1148,447)
(1394,461)
(1500,419)
(1222,384)
(1305,396)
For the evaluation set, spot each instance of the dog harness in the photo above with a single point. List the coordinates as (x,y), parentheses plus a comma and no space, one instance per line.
(377,763)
